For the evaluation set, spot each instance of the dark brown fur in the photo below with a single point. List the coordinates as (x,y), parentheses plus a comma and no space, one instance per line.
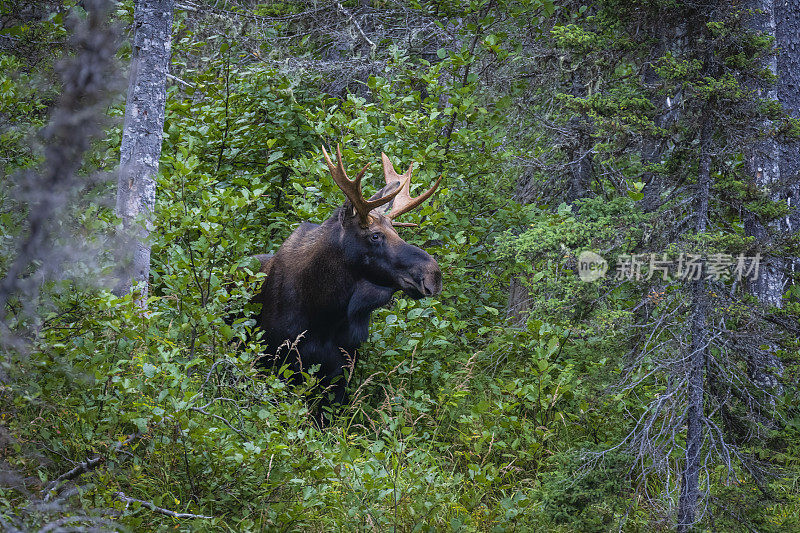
(324,282)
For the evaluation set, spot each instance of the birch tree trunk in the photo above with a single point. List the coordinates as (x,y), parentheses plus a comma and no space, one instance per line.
(141,140)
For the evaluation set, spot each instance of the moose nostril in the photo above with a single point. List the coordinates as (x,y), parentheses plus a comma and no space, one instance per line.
(432,283)
(427,287)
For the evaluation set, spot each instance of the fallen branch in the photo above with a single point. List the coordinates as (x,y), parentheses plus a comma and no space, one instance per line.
(153,507)
(55,486)
(82,468)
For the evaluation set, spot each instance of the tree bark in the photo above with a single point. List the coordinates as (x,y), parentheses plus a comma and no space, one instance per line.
(690,477)
(787,34)
(775,165)
(141,140)
(670,37)
(580,152)
(519,301)
(88,79)
(765,168)
(774,170)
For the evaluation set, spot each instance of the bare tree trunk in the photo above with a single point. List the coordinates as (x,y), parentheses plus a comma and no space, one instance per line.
(766,172)
(773,168)
(580,153)
(651,153)
(690,477)
(88,78)
(787,33)
(519,301)
(580,166)
(141,139)
(669,36)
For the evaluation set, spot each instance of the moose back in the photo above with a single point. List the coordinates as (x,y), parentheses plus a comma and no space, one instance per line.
(325,280)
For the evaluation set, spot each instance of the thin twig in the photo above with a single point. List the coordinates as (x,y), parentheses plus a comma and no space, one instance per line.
(223,419)
(182,82)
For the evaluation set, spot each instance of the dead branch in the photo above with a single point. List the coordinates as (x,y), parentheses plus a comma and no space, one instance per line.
(153,507)
(54,487)
(82,468)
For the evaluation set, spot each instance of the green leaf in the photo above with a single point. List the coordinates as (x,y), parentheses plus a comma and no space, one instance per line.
(635,196)
(552,345)
(149,370)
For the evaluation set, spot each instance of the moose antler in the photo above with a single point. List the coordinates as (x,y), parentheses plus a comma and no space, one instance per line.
(404,202)
(352,188)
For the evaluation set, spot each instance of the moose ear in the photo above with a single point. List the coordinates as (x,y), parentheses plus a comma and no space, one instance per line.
(347,212)
(387,190)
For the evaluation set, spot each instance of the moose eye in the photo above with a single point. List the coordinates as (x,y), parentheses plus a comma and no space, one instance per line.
(376,236)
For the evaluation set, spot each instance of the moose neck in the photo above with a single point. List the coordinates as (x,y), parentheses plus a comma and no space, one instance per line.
(330,279)
(347,295)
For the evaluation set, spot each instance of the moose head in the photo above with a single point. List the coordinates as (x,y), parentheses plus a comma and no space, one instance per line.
(325,280)
(370,241)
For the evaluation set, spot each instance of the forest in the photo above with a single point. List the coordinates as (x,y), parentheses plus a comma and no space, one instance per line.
(607,339)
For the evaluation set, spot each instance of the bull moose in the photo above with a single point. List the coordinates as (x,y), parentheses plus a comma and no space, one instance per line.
(325,280)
